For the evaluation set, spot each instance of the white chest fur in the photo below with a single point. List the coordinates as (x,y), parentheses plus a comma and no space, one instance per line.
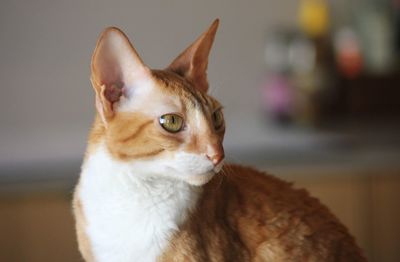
(130,218)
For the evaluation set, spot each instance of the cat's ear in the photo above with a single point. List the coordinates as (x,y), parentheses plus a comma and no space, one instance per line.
(116,68)
(192,63)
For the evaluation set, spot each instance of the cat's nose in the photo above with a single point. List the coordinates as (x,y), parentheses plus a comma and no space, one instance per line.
(215,153)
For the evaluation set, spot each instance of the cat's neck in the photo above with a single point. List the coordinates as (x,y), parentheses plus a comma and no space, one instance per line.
(125,207)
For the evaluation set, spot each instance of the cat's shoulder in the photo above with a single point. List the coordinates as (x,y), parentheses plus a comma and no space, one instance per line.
(260,193)
(275,216)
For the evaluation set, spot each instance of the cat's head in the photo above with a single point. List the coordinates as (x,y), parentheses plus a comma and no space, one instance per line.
(161,122)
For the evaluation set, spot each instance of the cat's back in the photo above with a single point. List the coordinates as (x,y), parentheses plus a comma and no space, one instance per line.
(247,215)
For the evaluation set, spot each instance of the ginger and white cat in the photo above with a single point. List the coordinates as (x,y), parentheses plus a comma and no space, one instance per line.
(153,188)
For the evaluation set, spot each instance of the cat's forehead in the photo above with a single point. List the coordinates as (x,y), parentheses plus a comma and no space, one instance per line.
(165,93)
(179,88)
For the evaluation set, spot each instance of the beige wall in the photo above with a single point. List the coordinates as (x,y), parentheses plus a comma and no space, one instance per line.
(46,103)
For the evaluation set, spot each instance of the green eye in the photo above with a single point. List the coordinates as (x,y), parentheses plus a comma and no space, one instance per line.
(218,119)
(171,122)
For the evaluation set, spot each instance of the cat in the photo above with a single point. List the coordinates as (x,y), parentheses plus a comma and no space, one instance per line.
(153,185)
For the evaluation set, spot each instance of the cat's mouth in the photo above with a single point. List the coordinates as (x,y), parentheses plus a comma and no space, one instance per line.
(203,178)
(193,169)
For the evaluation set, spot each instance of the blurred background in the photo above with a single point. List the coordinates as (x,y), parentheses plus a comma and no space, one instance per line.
(310,89)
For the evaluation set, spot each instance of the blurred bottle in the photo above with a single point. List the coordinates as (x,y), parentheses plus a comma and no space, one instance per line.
(396,15)
(348,53)
(377,36)
(300,64)
(278,98)
(315,82)
(276,53)
(277,91)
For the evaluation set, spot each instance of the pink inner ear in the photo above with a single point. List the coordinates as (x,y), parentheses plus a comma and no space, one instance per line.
(110,75)
(109,71)
(113,93)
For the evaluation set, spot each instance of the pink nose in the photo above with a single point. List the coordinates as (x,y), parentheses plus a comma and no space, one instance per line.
(215,153)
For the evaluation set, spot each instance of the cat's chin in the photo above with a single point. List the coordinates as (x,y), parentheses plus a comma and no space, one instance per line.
(201,179)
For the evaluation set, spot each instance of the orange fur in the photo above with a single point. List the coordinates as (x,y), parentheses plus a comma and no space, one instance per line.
(241,214)
(246,215)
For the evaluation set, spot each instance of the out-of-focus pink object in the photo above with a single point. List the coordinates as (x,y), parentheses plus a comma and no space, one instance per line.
(278,96)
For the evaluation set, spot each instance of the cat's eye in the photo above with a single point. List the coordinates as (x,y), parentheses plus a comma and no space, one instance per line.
(171,122)
(218,119)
